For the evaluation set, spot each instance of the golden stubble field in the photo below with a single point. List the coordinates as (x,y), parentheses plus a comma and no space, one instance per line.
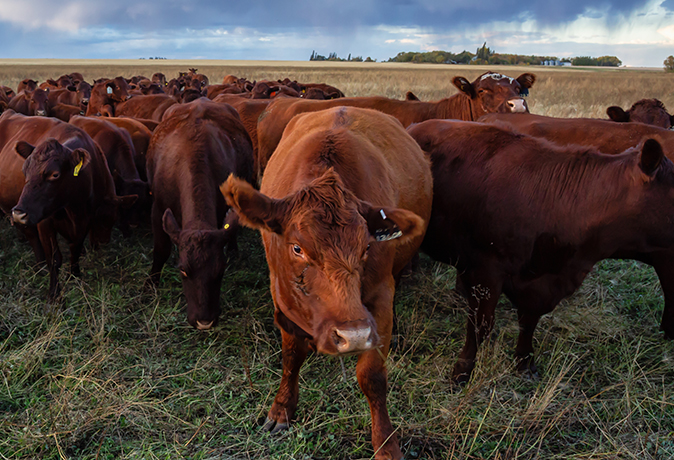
(560,92)
(113,371)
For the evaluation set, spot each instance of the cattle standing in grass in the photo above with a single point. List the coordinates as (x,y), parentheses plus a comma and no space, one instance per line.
(140,137)
(33,103)
(342,209)
(648,111)
(191,153)
(490,92)
(151,107)
(106,94)
(65,187)
(520,216)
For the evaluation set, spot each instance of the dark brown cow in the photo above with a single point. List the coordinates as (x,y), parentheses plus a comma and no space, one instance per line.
(212,91)
(65,112)
(118,148)
(151,107)
(33,103)
(159,78)
(26,84)
(140,136)
(191,153)
(335,240)
(73,95)
(65,187)
(490,92)
(649,111)
(330,91)
(106,94)
(520,216)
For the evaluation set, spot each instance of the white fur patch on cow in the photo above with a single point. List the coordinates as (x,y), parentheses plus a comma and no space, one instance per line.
(496,76)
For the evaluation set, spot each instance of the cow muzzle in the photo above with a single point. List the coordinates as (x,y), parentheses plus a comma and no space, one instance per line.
(41,113)
(204,326)
(19,216)
(517,105)
(353,338)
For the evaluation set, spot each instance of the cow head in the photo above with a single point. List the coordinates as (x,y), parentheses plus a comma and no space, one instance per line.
(202,265)
(647,111)
(53,176)
(26,84)
(495,93)
(83,94)
(323,244)
(38,102)
(116,90)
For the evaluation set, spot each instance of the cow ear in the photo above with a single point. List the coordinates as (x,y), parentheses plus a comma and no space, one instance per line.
(616,113)
(170,226)
(386,223)
(526,80)
(651,157)
(24,149)
(464,86)
(410,96)
(255,209)
(80,158)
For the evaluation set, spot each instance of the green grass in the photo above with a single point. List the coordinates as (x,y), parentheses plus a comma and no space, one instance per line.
(115,372)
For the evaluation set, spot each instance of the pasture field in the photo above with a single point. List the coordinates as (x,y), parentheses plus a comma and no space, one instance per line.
(113,371)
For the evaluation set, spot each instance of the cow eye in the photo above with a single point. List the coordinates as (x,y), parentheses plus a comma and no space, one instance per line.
(365,251)
(297,250)
(55,175)
(183,273)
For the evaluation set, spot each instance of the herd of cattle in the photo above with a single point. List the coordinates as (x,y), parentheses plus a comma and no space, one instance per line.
(345,192)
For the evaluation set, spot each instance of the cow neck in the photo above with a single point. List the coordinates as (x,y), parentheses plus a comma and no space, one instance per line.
(457,107)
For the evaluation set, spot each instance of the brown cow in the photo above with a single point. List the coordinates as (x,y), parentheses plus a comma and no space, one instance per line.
(105,94)
(26,84)
(65,187)
(191,153)
(490,92)
(31,103)
(649,111)
(73,95)
(117,146)
(140,136)
(65,112)
(520,216)
(335,240)
(151,107)
(159,78)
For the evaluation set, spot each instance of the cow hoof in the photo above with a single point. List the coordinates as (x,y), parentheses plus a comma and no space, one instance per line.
(273,426)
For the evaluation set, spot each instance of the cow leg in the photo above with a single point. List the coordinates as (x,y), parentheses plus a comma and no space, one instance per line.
(664,267)
(482,293)
(524,353)
(53,255)
(31,234)
(294,353)
(162,246)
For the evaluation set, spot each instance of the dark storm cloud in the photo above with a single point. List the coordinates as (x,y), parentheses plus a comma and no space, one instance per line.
(158,15)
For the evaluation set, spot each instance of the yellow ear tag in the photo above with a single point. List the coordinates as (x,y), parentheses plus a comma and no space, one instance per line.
(77,168)
(226,226)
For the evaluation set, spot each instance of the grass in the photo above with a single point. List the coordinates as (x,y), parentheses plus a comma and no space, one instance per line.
(115,372)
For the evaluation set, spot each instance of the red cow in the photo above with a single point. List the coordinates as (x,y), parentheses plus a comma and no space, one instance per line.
(34,102)
(335,241)
(649,111)
(191,153)
(106,94)
(520,216)
(65,112)
(140,137)
(65,187)
(118,149)
(26,84)
(151,107)
(73,95)
(490,92)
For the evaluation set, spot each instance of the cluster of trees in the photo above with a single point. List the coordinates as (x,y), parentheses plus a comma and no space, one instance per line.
(333,57)
(153,58)
(669,64)
(486,55)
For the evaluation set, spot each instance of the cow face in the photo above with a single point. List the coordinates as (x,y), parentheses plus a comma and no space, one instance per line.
(117,90)
(83,94)
(647,111)
(38,102)
(53,173)
(496,93)
(325,249)
(202,266)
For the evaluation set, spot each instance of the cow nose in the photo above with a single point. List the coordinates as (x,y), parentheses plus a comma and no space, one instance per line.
(204,326)
(19,216)
(41,113)
(353,340)
(517,105)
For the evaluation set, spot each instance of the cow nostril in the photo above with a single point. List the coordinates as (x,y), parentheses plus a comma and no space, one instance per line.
(351,340)
(20,217)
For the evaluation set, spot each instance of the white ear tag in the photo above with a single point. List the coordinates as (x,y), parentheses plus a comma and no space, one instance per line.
(383,215)
(109,90)
(387,234)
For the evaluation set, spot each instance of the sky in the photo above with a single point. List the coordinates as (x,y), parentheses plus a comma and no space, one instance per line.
(640,33)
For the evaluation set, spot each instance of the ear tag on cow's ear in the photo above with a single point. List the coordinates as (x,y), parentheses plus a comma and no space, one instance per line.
(387,234)
(109,90)
(226,226)
(77,168)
